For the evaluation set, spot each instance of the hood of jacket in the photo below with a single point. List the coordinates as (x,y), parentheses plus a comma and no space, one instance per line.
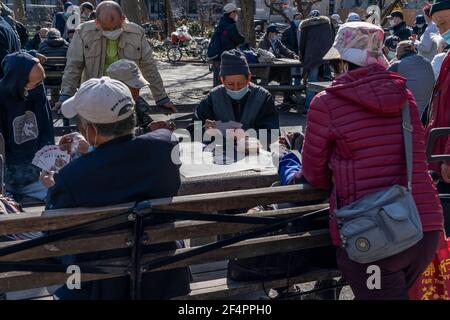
(55,42)
(314,21)
(372,87)
(16,68)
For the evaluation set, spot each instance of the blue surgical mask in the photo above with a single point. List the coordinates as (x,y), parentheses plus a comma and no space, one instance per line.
(446,37)
(420,25)
(392,55)
(297,22)
(91,149)
(274,39)
(238,95)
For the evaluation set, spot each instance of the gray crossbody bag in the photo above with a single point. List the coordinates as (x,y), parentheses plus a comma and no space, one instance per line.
(384,223)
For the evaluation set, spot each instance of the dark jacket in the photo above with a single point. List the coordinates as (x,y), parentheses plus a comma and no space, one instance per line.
(26,122)
(419,31)
(402,31)
(23,34)
(316,40)
(289,38)
(59,22)
(263,116)
(354,141)
(279,50)
(54,47)
(419,75)
(34,43)
(9,42)
(126,169)
(231,38)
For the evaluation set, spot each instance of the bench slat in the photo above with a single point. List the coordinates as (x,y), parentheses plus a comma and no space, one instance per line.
(16,281)
(156,234)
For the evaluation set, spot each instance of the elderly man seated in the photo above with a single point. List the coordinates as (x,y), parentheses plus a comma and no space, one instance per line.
(271,42)
(237,99)
(128,72)
(119,168)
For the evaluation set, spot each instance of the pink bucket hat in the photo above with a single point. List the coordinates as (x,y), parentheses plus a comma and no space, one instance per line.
(360,43)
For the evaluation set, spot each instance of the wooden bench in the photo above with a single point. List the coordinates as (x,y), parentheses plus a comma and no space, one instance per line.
(17,274)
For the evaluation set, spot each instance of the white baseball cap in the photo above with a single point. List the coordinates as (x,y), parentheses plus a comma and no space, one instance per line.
(230,7)
(103,100)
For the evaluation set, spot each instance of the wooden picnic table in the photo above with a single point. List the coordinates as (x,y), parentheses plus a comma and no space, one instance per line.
(227,182)
(263,70)
(319,86)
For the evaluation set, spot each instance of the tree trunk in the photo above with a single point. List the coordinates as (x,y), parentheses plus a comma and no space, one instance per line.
(19,10)
(246,22)
(169,17)
(131,10)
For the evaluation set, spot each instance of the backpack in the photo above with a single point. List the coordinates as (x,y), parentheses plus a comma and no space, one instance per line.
(215,45)
(265,56)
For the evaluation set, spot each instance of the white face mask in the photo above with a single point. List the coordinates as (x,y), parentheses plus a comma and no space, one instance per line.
(391,23)
(113,35)
(236,18)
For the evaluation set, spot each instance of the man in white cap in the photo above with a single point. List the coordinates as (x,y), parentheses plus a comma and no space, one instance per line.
(121,168)
(128,72)
(226,37)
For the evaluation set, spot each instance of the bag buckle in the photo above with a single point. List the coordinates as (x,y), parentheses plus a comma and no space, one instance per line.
(407,126)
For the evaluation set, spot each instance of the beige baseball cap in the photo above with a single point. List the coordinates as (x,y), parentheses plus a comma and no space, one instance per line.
(128,72)
(103,100)
(230,7)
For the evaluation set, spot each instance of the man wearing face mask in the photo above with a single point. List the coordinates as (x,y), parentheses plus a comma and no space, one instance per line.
(25,123)
(121,168)
(128,72)
(271,42)
(87,11)
(60,19)
(98,44)
(237,99)
(420,26)
(229,35)
(291,36)
(439,115)
(390,48)
(398,25)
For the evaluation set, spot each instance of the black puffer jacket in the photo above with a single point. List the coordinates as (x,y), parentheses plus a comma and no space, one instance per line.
(315,41)
(402,31)
(54,47)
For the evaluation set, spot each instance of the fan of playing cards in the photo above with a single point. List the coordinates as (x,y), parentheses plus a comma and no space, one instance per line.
(51,158)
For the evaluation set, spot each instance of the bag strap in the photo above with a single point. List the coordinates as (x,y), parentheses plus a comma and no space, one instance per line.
(407,139)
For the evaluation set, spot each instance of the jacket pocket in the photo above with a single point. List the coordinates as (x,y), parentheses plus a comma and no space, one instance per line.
(92,50)
(132,51)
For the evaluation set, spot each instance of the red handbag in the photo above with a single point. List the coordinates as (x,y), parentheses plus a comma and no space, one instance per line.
(434,282)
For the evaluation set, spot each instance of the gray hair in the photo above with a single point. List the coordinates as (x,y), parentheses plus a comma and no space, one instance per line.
(116,129)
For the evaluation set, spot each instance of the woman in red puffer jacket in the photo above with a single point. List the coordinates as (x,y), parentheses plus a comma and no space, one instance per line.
(354,145)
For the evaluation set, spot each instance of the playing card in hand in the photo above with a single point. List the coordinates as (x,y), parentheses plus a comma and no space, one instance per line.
(51,158)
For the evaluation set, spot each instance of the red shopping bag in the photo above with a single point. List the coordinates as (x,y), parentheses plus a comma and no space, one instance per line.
(434,282)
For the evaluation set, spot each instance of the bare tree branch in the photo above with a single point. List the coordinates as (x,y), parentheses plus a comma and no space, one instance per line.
(271,5)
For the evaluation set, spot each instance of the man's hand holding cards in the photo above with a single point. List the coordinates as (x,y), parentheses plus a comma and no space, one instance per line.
(51,158)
